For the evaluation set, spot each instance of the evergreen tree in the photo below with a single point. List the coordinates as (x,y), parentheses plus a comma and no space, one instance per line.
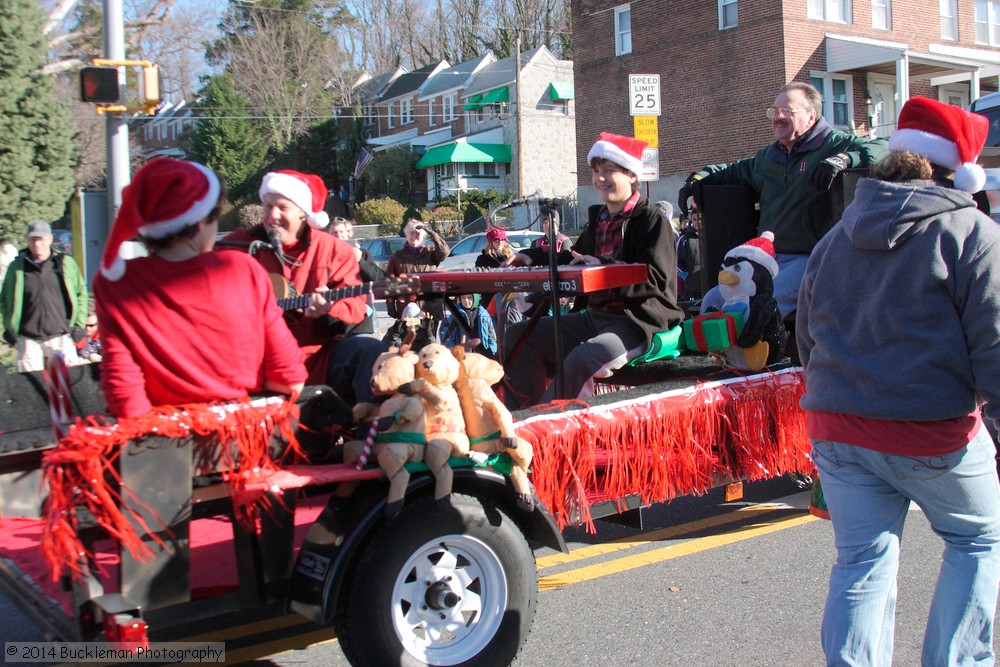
(226,140)
(38,151)
(393,173)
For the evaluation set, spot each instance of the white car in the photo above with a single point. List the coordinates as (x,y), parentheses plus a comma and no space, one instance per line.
(464,253)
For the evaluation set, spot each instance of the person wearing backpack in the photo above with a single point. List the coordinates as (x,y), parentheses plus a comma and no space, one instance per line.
(43,301)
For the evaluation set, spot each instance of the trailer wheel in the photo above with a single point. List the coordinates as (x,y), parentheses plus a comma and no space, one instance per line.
(445,588)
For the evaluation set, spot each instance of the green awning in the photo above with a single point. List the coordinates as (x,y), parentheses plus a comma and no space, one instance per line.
(475,102)
(496,96)
(561,90)
(464,152)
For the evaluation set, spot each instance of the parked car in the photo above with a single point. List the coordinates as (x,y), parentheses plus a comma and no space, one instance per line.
(464,253)
(381,249)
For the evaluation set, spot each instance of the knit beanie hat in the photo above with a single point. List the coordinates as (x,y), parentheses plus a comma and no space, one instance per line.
(495,233)
(946,135)
(760,250)
(164,197)
(623,151)
(306,191)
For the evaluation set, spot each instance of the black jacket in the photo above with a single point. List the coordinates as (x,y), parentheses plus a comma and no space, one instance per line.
(647,238)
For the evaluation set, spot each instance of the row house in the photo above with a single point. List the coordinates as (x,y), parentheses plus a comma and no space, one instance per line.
(721,65)
(484,123)
(160,135)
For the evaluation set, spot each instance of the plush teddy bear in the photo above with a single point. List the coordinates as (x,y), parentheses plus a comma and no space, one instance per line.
(746,285)
(401,437)
(488,422)
(436,373)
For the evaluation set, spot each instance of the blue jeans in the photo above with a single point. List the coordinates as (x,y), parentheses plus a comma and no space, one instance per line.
(349,371)
(868,494)
(791,268)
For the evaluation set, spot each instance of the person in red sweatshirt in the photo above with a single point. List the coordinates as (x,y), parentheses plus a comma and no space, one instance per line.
(334,334)
(185,324)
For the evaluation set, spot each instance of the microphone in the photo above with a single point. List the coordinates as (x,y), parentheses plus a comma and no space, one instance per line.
(275,237)
(553,202)
(527,199)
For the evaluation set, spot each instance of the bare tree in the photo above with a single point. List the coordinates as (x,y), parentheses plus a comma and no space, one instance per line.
(283,68)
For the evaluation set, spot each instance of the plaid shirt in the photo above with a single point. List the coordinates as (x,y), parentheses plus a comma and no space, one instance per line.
(608,236)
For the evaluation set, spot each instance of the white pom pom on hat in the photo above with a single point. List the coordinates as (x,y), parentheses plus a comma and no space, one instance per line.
(946,135)
(165,196)
(760,250)
(307,191)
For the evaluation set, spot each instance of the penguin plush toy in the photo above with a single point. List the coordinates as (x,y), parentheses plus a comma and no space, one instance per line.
(746,285)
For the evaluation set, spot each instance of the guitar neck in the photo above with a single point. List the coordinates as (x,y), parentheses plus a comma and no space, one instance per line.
(302,300)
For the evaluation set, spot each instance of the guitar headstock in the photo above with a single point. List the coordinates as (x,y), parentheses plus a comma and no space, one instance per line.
(398,286)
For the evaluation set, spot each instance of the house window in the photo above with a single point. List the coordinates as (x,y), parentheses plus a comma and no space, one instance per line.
(405,112)
(448,108)
(728,14)
(389,116)
(949,23)
(837,11)
(836,92)
(987,24)
(623,30)
(430,112)
(881,14)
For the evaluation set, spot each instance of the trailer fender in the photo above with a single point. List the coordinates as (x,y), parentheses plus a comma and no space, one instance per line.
(328,552)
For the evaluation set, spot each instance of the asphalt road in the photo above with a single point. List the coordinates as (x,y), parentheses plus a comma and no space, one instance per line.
(703,583)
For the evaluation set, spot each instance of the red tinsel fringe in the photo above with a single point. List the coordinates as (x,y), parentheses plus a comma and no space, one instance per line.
(663,446)
(81,470)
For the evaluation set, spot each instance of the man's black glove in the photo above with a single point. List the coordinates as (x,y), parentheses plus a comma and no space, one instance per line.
(822,175)
(685,191)
(9,338)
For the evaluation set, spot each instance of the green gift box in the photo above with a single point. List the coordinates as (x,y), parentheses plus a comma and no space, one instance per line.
(713,331)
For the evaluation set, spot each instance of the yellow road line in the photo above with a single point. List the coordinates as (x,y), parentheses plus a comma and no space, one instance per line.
(255,628)
(581,574)
(656,535)
(305,640)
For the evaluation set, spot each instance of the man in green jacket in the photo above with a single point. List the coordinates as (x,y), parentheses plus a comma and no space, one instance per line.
(792,176)
(43,301)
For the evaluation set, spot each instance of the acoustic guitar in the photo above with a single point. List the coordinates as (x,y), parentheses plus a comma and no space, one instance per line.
(289,299)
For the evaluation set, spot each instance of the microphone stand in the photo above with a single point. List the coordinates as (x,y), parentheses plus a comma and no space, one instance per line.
(560,376)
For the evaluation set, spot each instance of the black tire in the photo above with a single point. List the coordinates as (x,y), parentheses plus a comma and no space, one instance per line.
(447,588)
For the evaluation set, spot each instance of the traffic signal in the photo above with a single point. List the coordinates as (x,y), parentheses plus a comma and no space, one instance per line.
(100,85)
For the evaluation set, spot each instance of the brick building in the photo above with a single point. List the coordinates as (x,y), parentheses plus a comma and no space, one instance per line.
(721,64)
(473,128)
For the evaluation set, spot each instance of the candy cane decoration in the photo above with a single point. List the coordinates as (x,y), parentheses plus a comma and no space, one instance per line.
(367,449)
(57,378)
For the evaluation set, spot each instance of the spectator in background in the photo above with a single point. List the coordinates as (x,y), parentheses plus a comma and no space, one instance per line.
(416,257)
(88,348)
(550,220)
(472,322)
(43,301)
(343,229)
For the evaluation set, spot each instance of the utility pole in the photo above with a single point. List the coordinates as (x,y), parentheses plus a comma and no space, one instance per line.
(116,123)
(517,114)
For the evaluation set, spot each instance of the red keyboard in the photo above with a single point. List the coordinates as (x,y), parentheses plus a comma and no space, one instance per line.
(572,279)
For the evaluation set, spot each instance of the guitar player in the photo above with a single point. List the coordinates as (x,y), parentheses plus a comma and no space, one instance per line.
(330,333)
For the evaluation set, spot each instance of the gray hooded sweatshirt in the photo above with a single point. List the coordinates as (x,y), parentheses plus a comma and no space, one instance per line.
(899,309)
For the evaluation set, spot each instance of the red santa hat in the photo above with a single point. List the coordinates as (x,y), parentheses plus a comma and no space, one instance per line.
(623,151)
(306,191)
(760,250)
(164,197)
(946,135)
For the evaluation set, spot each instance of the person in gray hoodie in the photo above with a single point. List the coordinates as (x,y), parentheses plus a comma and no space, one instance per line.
(899,333)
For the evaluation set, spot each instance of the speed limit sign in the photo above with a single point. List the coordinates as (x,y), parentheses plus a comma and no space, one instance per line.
(644,94)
